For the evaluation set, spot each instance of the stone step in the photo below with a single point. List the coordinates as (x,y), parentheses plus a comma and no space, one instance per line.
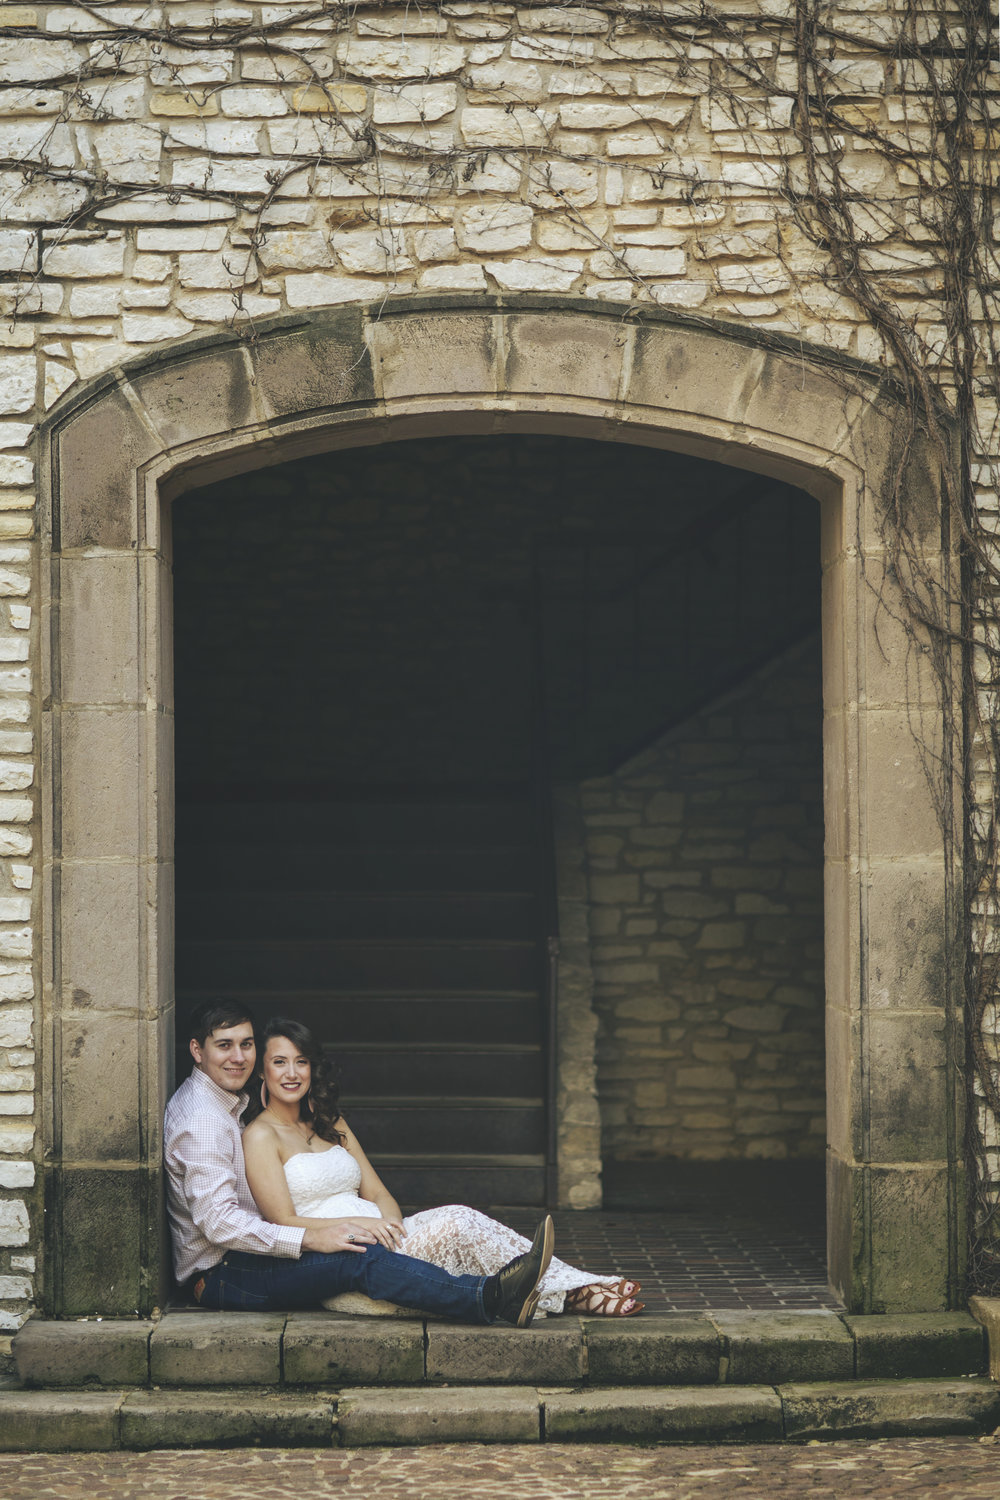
(386,1069)
(416,818)
(335,914)
(515,1181)
(250,866)
(488,1126)
(389,964)
(196,1348)
(346,1018)
(365,1416)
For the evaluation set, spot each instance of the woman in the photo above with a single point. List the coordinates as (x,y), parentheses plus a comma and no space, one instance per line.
(304,1163)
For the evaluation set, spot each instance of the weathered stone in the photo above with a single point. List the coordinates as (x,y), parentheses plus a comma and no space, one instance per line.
(203,1419)
(892,1408)
(702,1414)
(672,1349)
(926,1344)
(399,59)
(324,1349)
(58,1421)
(214,1349)
(113,1352)
(781,1346)
(489,1356)
(498,1414)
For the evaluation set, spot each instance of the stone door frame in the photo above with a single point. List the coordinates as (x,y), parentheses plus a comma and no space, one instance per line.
(115,455)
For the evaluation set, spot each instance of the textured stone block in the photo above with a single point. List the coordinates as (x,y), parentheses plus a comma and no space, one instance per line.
(987,1311)
(100,1262)
(910,1228)
(209,1419)
(488,1356)
(208,392)
(898,1408)
(101,447)
(96,975)
(101,1124)
(444,353)
(57,1421)
(584,359)
(667,1350)
(324,1349)
(909,1108)
(683,1415)
(112,1352)
(900,1344)
(775,1346)
(217,1349)
(100,791)
(498,1414)
(321,364)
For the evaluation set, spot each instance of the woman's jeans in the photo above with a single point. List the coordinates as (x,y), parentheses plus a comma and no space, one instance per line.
(256,1283)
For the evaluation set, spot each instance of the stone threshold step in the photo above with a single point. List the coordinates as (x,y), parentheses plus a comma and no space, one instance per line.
(62,1421)
(196,1348)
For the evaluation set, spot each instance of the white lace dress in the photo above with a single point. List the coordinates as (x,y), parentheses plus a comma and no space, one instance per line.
(324,1185)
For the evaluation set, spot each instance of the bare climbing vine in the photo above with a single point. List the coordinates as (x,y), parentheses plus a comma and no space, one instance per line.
(885,198)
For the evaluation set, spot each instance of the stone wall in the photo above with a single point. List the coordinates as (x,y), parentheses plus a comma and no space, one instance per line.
(278,159)
(706,879)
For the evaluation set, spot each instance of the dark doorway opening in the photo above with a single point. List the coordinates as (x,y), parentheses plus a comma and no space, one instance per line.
(383,657)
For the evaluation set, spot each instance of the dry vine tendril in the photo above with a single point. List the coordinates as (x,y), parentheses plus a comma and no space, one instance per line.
(882,204)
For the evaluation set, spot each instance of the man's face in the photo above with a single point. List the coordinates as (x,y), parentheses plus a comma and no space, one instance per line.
(228,1056)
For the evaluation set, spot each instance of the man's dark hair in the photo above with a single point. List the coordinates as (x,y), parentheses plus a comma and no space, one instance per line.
(216,1014)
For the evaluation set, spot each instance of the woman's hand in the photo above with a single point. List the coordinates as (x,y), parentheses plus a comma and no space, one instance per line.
(387,1232)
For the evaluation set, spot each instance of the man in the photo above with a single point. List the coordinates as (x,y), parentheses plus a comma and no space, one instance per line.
(229,1257)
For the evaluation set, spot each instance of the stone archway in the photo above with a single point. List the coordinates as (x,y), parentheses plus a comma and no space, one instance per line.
(218,406)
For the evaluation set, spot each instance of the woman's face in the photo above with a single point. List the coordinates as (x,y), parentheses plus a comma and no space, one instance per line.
(287,1072)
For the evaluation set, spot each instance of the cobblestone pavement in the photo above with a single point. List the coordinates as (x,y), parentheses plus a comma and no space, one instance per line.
(917,1468)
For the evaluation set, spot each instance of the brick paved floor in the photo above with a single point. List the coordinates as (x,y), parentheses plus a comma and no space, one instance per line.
(917,1468)
(706,1235)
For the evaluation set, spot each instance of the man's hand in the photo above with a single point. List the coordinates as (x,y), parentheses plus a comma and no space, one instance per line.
(341,1235)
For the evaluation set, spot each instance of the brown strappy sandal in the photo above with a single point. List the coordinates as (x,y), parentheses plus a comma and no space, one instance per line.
(617,1301)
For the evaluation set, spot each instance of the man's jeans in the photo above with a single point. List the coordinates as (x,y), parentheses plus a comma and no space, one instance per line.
(256,1283)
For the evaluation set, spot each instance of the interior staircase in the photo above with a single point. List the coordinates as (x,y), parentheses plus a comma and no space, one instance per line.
(404,928)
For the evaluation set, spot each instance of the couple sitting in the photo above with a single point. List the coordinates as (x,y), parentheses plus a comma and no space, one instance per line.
(293,1214)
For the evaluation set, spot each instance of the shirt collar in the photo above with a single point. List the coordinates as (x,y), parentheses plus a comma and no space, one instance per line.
(234,1104)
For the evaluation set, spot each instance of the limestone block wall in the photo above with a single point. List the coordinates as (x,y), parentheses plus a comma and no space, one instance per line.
(279,158)
(705,881)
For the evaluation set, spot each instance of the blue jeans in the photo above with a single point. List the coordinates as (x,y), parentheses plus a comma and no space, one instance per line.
(257,1283)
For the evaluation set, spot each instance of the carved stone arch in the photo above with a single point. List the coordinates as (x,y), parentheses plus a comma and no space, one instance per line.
(206,408)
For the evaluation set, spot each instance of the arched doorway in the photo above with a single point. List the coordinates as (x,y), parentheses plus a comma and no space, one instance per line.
(212,409)
(385,665)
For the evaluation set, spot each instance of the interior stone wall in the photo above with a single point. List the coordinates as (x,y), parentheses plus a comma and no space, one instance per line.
(705,871)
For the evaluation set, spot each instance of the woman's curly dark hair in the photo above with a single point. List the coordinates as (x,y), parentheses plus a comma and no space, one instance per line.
(321,1106)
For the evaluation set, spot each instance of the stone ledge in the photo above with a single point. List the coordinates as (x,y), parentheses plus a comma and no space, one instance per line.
(59,1421)
(195,1348)
(484,1414)
(900,1408)
(703,1414)
(918,1344)
(64,1421)
(769,1347)
(203,1419)
(986,1310)
(112,1352)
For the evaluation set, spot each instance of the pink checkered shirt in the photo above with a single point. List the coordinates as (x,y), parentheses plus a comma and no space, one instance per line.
(209,1203)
